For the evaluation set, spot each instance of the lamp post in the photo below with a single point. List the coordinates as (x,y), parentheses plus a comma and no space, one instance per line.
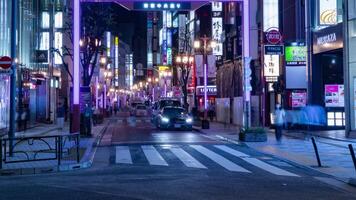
(185,62)
(208,45)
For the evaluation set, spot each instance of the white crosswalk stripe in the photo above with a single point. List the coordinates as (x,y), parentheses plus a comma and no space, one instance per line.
(254,161)
(123,155)
(152,155)
(186,158)
(227,164)
(231,151)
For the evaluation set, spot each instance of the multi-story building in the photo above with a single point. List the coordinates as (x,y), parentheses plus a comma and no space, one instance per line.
(39,30)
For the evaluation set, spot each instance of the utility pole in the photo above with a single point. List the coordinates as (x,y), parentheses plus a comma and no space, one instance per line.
(12,125)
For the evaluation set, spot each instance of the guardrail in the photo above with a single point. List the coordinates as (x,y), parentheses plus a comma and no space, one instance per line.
(39,148)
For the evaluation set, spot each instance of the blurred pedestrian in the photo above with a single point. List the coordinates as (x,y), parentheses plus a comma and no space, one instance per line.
(115,108)
(87,119)
(279,121)
(60,115)
(24,119)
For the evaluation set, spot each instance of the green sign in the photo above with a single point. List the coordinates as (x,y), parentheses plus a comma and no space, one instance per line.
(296,54)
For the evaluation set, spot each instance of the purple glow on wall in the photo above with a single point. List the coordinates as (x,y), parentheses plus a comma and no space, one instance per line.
(76,36)
(246,27)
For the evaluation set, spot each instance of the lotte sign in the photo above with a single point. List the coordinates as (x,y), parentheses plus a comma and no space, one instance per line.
(273,36)
(5,62)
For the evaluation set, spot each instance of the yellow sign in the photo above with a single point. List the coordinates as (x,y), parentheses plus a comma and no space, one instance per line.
(163,68)
(116,40)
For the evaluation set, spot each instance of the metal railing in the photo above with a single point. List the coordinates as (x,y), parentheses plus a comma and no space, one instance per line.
(39,148)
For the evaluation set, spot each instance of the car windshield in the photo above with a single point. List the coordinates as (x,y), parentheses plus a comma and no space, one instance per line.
(141,107)
(166,103)
(173,112)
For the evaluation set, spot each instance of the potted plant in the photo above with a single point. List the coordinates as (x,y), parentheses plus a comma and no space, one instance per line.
(253,134)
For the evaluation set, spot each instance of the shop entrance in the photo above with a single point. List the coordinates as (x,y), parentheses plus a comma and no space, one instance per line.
(328,87)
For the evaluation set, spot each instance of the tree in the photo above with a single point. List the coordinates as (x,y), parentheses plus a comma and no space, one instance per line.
(96,20)
(184,67)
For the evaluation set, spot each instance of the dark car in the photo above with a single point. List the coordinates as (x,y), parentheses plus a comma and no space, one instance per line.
(174,118)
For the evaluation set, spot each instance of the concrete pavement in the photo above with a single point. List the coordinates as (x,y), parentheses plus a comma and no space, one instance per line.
(335,156)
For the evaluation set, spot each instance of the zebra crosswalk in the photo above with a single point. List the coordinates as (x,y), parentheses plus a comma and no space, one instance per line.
(197,156)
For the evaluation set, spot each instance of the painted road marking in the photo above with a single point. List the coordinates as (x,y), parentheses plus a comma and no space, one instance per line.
(123,155)
(254,161)
(231,151)
(186,158)
(227,164)
(269,168)
(152,155)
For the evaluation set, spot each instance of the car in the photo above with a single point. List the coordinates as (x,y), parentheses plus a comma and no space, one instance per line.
(133,107)
(141,110)
(174,118)
(162,103)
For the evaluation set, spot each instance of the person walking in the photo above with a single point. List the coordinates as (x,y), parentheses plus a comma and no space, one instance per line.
(87,119)
(24,119)
(60,115)
(279,121)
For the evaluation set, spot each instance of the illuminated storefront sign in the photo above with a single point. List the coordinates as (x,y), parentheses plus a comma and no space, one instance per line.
(156,6)
(169,56)
(211,90)
(327,12)
(169,19)
(217,27)
(271,65)
(116,69)
(108,47)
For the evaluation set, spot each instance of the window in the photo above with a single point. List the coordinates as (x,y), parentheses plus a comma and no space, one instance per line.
(58,20)
(44,41)
(45,20)
(58,43)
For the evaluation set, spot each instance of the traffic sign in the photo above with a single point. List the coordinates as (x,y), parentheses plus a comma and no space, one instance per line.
(5,62)
(273,36)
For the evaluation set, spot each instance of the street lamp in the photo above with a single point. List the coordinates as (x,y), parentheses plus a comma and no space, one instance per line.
(208,45)
(185,61)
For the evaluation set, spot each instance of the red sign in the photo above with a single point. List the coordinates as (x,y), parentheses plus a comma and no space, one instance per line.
(5,62)
(273,36)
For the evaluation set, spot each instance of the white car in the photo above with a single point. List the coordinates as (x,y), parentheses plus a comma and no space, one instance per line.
(141,110)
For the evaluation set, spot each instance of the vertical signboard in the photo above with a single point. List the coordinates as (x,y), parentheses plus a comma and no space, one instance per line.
(271,65)
(149,39)
(181,32)
(217,27)
(116,69)
(108,47)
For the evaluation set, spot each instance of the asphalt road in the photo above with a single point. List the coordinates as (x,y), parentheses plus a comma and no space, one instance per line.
(136,161)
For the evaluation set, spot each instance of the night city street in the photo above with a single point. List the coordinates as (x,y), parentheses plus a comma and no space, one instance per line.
(177,165)
(177,99)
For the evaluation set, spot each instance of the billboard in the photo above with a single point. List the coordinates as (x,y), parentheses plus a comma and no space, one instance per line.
(296,55)
(334,95)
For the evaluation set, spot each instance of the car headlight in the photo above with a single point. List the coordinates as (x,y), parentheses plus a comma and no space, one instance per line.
(165,119)
(189,120)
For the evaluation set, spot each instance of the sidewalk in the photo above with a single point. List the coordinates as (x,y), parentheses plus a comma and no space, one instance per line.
(334,154)
(87,148)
